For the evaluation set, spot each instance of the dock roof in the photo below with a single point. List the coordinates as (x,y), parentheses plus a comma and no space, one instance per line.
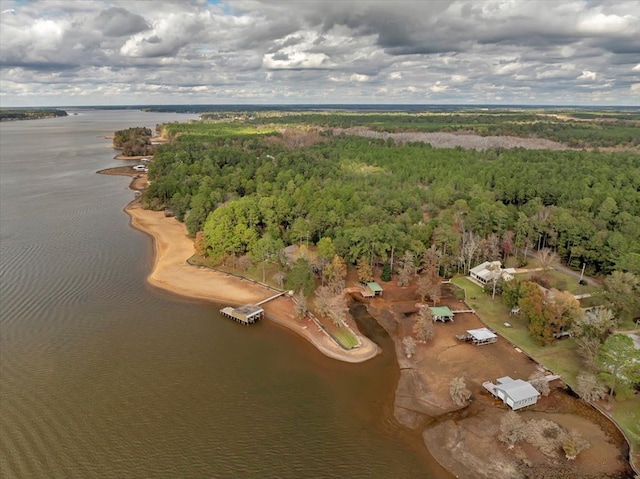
(441,311)
(482,334)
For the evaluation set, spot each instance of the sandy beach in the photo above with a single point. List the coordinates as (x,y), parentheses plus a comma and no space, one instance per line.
(171,272)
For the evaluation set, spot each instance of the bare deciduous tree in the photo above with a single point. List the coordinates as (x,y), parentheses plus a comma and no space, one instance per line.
(539,381)
(323,300)
(430,262)
(546,435)
(492,247)
(279,278)
(423,327)
(338,309)
(422,286)
(243,263)
(547,258)
(588,349)
(589,388)
(409,345)
(435,290)
(512,429)
(460,395)
(407,269)
(301,306)
(470,244)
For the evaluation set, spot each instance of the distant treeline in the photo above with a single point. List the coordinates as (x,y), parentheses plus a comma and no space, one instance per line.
(244,183)
(9,115)
(604,129)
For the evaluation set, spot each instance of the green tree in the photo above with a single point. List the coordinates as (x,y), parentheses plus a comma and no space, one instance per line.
(265,250)
(531,308)
(301,277)
(386,272)
(596,323)
(573,444)
(511,293)
(326,252)
(622,293)
(619,364)
(364,270)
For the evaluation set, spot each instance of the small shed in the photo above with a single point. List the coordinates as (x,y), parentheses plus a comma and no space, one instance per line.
(516,393)
(441,313)
(247,314)
(375,288)
(482,336)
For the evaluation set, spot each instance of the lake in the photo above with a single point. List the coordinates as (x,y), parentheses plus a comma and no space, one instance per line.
(104,376)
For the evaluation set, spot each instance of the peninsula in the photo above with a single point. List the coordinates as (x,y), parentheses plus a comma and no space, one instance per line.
(302,203)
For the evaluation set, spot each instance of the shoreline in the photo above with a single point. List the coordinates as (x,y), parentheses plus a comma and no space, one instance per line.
(171,272)
(422,392)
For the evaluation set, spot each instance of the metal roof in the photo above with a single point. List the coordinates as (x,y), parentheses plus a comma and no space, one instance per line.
(481,333)
(375,287)
(441,311)
(518,390)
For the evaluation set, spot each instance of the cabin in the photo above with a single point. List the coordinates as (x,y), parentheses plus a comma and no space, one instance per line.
(479,336)
(515,393)
(441,313)
(247,314)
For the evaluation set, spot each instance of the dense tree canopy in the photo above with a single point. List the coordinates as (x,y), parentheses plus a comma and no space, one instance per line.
(238,181)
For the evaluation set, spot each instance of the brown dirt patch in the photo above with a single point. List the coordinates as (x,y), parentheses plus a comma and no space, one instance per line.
(465,440)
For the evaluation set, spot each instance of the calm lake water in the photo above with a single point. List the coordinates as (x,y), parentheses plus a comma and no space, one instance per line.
(104,376)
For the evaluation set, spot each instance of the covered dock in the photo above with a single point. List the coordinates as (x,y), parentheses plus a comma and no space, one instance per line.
(247,314)
(479,336)
(441,313)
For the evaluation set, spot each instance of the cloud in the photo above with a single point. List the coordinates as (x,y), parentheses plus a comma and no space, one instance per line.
(118,22)
(458,51)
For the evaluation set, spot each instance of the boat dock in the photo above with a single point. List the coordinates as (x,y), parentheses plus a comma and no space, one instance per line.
(249,313)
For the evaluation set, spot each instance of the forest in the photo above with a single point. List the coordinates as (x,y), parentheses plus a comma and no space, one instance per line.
(253,186)
(289,179)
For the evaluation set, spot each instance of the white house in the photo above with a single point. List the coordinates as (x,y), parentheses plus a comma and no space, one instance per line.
(515,393)
(489,270)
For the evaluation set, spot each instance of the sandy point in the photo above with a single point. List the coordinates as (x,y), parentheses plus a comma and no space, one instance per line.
(171,272)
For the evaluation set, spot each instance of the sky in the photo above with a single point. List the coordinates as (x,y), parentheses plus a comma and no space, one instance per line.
(133,52)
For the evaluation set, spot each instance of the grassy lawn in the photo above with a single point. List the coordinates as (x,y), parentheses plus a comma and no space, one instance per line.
(560,357)
(627,415)
(345,337)
(562,281)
